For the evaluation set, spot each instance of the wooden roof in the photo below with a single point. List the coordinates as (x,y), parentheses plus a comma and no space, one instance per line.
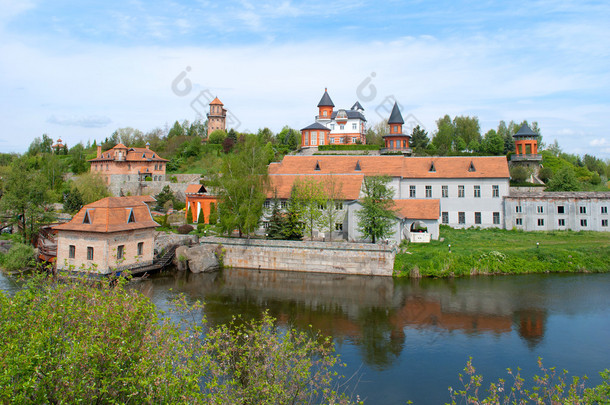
(396,166)
(111,214)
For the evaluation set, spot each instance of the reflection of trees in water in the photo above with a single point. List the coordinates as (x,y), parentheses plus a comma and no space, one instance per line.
(372,312)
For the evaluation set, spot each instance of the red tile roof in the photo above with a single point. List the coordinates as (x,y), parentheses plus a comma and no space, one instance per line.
(216,101)
(195,189)
(396,166)
(418,208)
(111,214)
(133,155)
(349,185)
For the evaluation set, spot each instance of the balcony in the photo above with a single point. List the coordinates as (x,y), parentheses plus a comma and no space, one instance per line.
(525,158)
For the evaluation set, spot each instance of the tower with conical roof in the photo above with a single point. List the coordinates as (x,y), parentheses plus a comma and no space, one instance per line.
(395,140)
(325,107)
(526,144)
(217,117)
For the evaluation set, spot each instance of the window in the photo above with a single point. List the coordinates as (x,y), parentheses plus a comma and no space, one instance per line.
(72,251)
(395,129)
(461,191)
(341,126)
(322,206)
(540,221)
(332,140)
(267,204)
(604,210)
(445,217)
(477,218)
(321,138)
(561,209)
(583,223)
(324,113)
(496,218)
(120,251)
(461,218)
(283,204)
(354,126)
(87,219)
(338,226)
(266,224)
(477,191)
(131,218)
(338,205)
(583,210)
(561,222)
(604,222)
(540,209)
(332,127)
(518,209)
(306,138)
(519,221)
(445,191)
(354,140)
(428,191)
(412,191)
(89,253)
(495,191)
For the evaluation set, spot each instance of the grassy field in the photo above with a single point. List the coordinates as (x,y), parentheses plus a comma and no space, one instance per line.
(497,251)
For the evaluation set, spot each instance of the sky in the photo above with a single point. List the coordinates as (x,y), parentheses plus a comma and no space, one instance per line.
(79,70)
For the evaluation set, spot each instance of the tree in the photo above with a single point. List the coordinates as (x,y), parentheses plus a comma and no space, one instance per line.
(419,139)
(242,184)
(492,144)
(467,128)
(78,159)
(213,214)
(376,217)
(217,137)
(518,174)
(177,130)
(374,135)
(332,212)
(24,198)
(276,221)
(545,173)
(443,137)
(201,217)
(563,180)
(164,196)
(92,187)
(293,227)
(308,194)
(73,200)
(189,216)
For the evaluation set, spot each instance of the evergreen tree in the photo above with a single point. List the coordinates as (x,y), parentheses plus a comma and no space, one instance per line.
(201,217)
(419,140)
(293,225)
(276,222)
(189,216)
(376,217)
(213,214)
(73,200)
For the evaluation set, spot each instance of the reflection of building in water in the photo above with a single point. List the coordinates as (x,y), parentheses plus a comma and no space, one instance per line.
(531,325)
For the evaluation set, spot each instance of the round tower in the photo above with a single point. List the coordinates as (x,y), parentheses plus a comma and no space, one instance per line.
(325,106)
(396,141)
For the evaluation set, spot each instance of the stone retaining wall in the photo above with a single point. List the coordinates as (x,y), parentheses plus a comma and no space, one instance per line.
(319,257)
(128,184)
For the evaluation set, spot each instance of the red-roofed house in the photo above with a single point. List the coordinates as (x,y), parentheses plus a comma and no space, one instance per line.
(136,164)
(110,234)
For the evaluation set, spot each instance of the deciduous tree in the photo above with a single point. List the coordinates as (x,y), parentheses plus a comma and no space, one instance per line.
(308,194)
(376,217)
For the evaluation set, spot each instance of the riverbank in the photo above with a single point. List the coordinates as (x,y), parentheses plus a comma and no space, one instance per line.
(498,251)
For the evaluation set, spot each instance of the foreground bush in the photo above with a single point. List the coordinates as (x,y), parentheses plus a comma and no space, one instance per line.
(550,388)
(69,343)
(19,257)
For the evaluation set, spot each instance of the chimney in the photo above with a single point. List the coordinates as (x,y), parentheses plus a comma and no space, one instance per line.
(99,150)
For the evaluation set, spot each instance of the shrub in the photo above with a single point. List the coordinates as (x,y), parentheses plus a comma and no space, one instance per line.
(184,229)
(518,174)
(78,343)
(148,179)
(19,257)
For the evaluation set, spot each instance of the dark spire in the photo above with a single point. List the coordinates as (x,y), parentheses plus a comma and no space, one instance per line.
(357,106)
(325,101)
(396,116)
(525,130)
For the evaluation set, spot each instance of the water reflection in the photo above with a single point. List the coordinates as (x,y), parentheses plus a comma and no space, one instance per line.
(373,313)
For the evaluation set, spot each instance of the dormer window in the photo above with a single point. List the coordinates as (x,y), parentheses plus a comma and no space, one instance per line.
(317,168)
(143,155)
(432,168)
(472,168)
(358,166)
(131,217)
(87,219)
(153,155)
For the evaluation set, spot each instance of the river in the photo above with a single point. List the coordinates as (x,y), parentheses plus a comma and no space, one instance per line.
(409,339)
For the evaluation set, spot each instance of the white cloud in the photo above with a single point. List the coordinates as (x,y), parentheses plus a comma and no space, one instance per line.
(599,142)
(85,122)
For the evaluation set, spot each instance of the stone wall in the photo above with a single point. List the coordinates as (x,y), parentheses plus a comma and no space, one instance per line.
(129,185)
(319,257)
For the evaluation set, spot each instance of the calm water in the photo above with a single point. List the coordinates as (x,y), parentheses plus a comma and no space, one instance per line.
(409,339)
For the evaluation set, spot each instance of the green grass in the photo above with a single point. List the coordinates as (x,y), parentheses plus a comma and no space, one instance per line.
(497,251)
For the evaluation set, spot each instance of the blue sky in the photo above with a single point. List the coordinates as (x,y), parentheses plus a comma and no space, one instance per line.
(80,70)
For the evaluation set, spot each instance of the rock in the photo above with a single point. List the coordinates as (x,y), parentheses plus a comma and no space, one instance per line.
(414,273)
(180,259)
(198,259)
(165,239)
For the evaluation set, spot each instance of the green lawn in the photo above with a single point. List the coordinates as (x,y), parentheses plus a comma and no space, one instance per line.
(496,251)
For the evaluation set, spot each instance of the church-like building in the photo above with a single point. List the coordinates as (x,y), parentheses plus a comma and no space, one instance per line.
(131,164)
(340,127)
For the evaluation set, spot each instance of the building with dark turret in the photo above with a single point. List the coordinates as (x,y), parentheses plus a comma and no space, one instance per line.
(396,141)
